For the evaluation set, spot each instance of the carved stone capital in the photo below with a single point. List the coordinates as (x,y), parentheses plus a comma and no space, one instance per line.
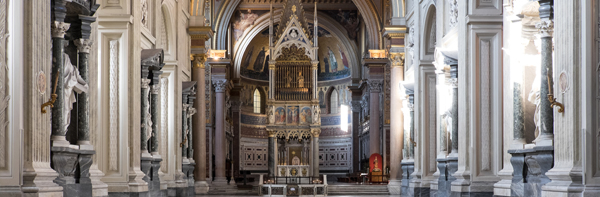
(83,45)
(315,132)
(220,85)
(355,106)
(271,132)
(198,60)
(59,29)
(145,83)
(411,106)
(375,85)
(397,59)
(155,89)
(453,82)
(546,27)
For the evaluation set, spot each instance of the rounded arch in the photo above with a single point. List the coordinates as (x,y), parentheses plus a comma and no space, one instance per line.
(428,38)
(325,22)
(169,50)
(365,7)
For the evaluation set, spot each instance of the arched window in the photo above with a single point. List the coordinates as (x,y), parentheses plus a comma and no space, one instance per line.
(334,102)
(256,101)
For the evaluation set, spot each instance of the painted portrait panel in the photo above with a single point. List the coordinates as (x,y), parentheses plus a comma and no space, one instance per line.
(305,115)
(280,115)
(292,115)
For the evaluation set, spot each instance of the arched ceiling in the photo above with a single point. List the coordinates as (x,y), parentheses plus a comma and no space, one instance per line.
(366,8)
(335,48)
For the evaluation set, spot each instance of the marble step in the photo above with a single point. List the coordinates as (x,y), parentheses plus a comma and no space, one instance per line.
(367,190)
(231,190)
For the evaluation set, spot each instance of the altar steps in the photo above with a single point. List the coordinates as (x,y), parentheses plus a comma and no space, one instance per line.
(357,190)
(232,190)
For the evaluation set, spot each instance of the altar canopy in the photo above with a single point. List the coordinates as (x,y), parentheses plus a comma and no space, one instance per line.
(293,107)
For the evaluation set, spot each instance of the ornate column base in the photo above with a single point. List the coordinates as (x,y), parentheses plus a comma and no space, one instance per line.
(201,187)
(395,187)
(408,167)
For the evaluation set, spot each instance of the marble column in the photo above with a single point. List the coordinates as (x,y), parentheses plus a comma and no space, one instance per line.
(271,153)
(396,122)
(220,140)
(375,87)
(199,120)
(355,132)
(59,129)
(83,127)
(546,27)
(315,167)
(454,110)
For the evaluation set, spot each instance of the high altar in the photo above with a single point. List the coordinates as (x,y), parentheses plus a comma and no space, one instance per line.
(294,121)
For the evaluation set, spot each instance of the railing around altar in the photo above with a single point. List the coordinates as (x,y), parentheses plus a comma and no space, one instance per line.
(293,170)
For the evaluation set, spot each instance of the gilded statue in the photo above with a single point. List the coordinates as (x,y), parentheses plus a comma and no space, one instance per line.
(376,165)
(300,80)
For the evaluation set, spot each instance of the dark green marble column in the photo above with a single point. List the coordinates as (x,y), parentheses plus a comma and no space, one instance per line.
(59,129)
(83,128)
(155,85)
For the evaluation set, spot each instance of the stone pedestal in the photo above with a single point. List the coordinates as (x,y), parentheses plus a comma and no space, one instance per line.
(451,168)
(73,168)
(154,181)
(408,167)
(530,167)
(443,186)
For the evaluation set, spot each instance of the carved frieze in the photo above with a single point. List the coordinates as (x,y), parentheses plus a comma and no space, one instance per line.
(375,85)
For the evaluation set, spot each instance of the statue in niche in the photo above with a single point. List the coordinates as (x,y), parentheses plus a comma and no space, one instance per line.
(534,97)
(376,165)
(73,83)
(300,80)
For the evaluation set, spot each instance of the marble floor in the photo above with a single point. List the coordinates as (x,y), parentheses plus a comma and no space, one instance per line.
(327,195)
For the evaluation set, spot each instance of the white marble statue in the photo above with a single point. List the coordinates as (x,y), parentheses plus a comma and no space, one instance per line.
(73,83)
(534,97)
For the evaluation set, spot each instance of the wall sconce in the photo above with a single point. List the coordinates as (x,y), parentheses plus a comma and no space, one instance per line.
(218,54)
(377,53)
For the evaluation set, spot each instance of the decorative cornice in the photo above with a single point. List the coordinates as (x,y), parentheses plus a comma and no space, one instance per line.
(546,27)
(83,45)
(220,85)
(59,29)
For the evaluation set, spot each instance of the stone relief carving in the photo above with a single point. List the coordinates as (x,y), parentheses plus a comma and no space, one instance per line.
(270,116)
(73,84)
(144,13)
(113,104)
(316,114)
(164,123)
(411,44)
(4,80)
(453,13)
(534,97)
